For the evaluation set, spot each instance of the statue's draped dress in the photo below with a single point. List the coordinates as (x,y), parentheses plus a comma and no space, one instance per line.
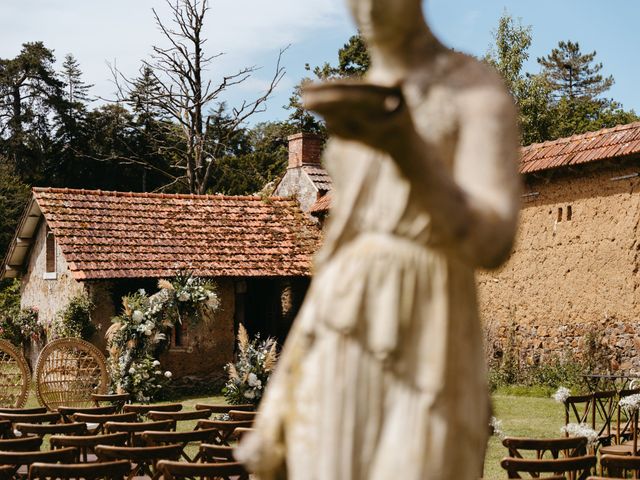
(387,361)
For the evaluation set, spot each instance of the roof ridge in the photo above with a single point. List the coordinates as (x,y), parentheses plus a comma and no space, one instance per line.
(181,196)
(573,138)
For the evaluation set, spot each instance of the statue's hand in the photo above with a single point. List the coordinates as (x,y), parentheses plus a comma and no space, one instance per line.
(374,115)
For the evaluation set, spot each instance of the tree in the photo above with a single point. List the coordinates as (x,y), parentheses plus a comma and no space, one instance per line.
(530,92)
(30,95)
(572,74)
(13,199)
(188,100)
(353,62)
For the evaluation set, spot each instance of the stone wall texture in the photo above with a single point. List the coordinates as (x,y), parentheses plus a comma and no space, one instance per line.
(573,273)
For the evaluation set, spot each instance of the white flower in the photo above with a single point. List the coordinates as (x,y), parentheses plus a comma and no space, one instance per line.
(157,372)
(580,430)
(496,426)
(562,394)
(148,332)
(250,394)
(137,316)
(142,291)
(183,296)
(630,403)
(132,371)
(253,381)
(156,363)
(168,374)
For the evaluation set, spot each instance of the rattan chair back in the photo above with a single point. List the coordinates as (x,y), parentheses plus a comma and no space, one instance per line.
(68,371)
(15,376)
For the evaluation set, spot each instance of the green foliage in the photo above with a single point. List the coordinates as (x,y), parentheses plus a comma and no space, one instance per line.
(14,195)
(249,375)
(74,320)
(560,101)
(141,332)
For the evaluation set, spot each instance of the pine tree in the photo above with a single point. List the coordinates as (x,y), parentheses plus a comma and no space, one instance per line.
(574,74)
(76,90)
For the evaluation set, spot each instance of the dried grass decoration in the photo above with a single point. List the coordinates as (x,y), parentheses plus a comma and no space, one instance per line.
(68,371)
(15,376)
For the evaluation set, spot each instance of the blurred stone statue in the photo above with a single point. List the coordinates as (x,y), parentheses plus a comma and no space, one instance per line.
(383,374)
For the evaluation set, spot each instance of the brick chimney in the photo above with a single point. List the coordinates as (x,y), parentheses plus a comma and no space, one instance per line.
(304,149)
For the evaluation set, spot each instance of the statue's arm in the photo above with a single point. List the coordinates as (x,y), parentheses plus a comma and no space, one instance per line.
(474,209)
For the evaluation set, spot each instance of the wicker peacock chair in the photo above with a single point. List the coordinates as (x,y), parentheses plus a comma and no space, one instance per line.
(15,376)
(68,371)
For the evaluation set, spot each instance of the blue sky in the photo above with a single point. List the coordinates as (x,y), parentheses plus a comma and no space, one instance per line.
(251,32)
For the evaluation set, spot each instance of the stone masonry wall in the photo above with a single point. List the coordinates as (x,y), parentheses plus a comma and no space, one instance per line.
(570,279)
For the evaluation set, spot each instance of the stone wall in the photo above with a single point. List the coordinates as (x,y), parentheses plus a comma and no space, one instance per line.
(573,273)
(49,295)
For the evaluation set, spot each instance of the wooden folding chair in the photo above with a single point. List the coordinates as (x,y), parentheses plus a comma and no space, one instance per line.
(179,416)
(133,428)
(24,411)
(6,472)
(95,423)
(211,471)
(86,444)
(538,447)
(56,429)
(220,408)
(117,470)
(21,460)
(239,415)
(181,438)
(117,399)
(578,408)
(604,407)
(623,427)
(240,432)
(225,429)
(21,444)
(628,447)
(620,466)
(216,453)
(574,468)
(68,412)
(144,409)
(51,417)
(143,459)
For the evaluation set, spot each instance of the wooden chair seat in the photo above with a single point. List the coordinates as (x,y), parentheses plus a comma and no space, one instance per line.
(56,429)
(220,408)
(21,444)
(181,438)
(86,444)
(213,471)
(91,471)
(579,467)
(179,416)
(144,409)
(143,459)
(20,460)
(225,429)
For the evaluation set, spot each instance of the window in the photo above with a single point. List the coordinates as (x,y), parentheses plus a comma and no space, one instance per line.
(50,255)
(179,337)
(559,219)
(569,212)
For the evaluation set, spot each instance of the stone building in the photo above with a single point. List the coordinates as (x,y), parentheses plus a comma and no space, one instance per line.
(109,244)
(574,273)
(305,178)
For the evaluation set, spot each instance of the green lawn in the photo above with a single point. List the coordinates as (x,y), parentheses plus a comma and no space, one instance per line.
(521,417)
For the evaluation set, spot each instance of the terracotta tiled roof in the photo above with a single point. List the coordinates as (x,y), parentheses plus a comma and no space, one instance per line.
(620,141)
(125,235)
(323,204)
(319,177)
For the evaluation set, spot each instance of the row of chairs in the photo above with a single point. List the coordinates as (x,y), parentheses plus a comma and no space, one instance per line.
(151,447)
(563,458)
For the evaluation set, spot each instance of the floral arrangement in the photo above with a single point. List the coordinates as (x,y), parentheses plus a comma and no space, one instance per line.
(630,403)
(140,333)
(496,428)
(580,430)
(250,373)
(561,394)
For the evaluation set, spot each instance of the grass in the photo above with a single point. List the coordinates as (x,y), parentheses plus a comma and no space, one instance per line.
(521,417)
